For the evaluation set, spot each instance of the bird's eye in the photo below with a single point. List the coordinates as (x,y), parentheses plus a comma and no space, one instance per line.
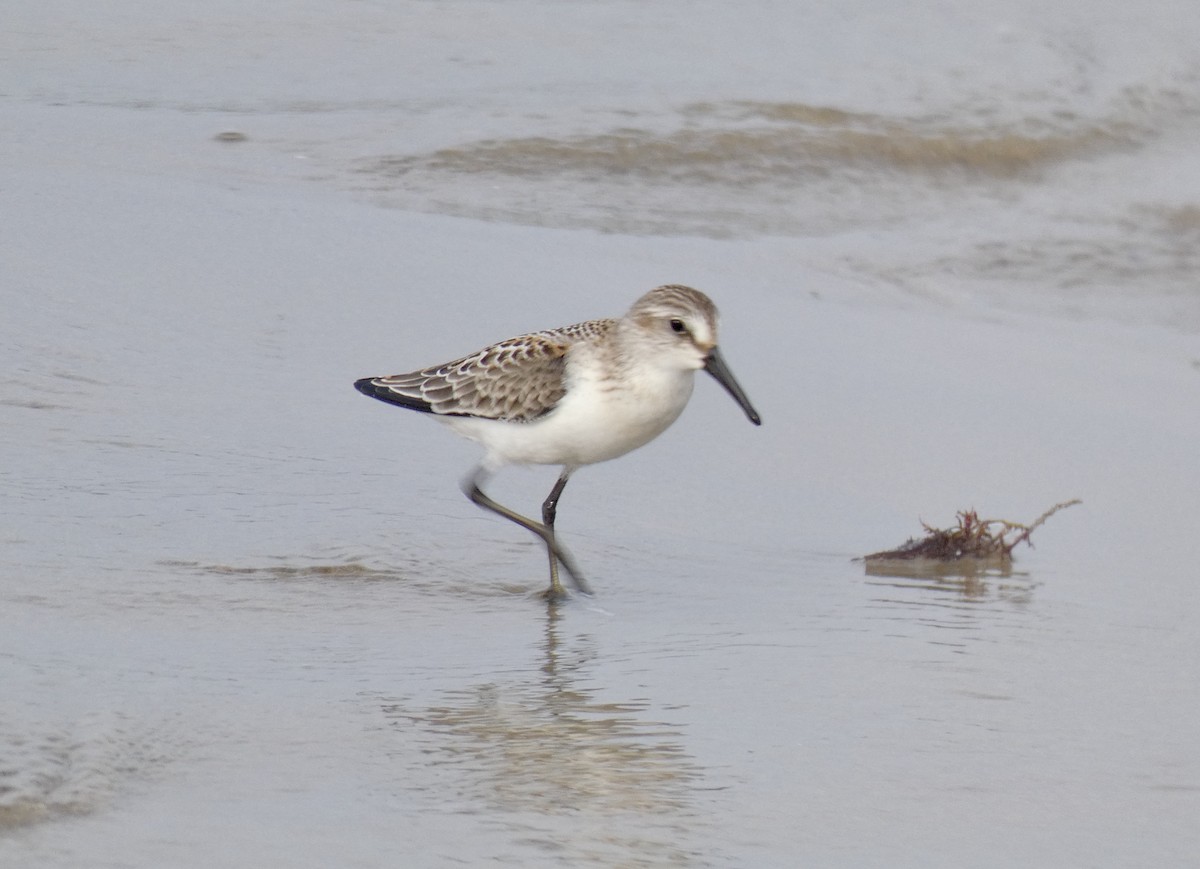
(677,326)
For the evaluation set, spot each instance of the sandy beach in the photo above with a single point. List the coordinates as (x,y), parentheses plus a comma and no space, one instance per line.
(247,617)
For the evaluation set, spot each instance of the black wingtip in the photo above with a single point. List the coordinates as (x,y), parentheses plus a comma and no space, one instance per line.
(370,386)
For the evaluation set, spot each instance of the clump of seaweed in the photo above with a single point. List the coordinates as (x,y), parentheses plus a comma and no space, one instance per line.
(984,541)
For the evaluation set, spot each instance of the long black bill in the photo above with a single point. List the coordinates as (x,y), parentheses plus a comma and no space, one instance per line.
(715,365)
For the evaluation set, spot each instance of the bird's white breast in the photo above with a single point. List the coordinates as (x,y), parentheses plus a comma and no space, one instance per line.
(604,414)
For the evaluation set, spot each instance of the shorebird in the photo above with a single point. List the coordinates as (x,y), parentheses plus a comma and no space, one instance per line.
(573,396)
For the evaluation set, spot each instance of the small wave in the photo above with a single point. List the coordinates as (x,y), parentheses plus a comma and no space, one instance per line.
(53,771)
(778,153)
(750,167)
(1143,252)
(417,574)
(349,570)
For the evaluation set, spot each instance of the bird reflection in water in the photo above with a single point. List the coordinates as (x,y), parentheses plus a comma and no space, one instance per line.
(548,755)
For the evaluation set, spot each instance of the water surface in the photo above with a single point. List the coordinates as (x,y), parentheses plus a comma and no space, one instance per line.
(248,618)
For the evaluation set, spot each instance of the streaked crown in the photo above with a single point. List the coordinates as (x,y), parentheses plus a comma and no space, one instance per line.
(675,302)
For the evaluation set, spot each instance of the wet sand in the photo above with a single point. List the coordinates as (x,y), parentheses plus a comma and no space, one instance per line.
(249,613)
(248,618)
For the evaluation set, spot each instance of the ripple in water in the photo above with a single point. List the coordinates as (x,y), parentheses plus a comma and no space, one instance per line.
(744,168)
(53,771)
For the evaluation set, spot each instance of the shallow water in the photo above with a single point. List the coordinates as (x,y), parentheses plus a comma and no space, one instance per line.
(248,618)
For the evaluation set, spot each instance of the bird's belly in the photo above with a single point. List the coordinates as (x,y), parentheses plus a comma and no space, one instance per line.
(587,427)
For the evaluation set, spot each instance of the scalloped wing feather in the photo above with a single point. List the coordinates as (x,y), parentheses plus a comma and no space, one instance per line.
(516,380)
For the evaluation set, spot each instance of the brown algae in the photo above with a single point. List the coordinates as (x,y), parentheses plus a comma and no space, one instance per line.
(971,541)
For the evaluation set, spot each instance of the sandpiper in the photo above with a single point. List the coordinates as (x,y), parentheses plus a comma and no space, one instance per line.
(573,396)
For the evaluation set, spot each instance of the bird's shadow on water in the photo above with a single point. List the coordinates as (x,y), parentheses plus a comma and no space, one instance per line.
(541,752)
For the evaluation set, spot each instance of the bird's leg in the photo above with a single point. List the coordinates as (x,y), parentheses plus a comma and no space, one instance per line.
(472,490)
(549,511)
